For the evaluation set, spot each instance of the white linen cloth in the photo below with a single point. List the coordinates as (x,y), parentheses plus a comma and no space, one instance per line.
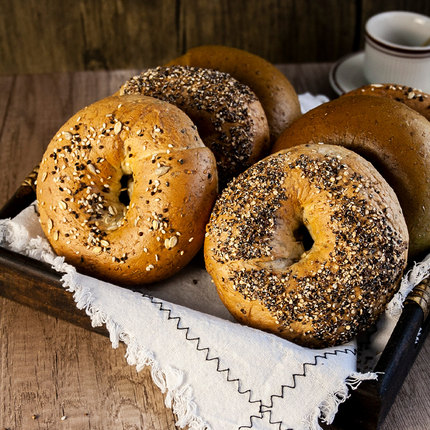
(216,374)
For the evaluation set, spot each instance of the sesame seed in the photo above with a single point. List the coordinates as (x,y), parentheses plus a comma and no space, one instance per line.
(162,170)
(117,128)
(171,242)
(62,204)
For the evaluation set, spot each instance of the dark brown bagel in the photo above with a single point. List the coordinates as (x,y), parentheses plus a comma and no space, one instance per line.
(318,295)
(171,181)
(411,97)
(392,136)
(273,89)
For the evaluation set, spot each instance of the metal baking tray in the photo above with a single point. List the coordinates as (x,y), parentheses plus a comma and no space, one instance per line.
(36,284)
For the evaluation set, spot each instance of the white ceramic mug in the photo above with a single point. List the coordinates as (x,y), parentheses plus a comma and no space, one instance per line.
(397,49)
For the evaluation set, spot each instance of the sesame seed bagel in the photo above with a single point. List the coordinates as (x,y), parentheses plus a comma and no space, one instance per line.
(273,89)
(411,97)
(229,117)
(392,136)
(309,243)
(125,189)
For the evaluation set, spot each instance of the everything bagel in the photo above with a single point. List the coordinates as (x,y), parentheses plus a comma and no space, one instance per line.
(319,291)
(229,118)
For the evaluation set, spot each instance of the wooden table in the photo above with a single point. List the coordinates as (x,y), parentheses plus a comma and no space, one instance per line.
(58,376)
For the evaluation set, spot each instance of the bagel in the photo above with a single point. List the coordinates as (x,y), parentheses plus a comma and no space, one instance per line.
(275,92)
(315,294)
(393,137)
(229,118)
(146,146)
(411,97)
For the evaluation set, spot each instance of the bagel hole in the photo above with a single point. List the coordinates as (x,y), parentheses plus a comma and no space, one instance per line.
(124,195)
(301,234)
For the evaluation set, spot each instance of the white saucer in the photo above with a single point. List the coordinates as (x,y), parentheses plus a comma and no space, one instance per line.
(347,73)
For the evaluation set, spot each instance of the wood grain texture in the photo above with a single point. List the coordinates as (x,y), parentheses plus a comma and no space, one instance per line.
(280,31)
(38,36)
(51,369)
(47,35)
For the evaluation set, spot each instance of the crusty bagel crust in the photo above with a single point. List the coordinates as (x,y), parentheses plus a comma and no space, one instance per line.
(173,187)
(273,89)
(229,118)
(411,97)
(323,295)
(392,136)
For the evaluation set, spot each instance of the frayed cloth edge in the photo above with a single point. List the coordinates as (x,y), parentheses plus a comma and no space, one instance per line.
(329,407)
(178,395)
(410,280)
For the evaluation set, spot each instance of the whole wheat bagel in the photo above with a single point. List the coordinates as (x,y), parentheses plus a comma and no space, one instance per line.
(392,136)
(229,118)
(273,89)
(318,291)
(130,143)
(411,97)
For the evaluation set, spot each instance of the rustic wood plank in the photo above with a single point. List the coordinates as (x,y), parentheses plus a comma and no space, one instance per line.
(6,88)
(128,32)
(46,35)
(50,369)
(28,126)
(280,31)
